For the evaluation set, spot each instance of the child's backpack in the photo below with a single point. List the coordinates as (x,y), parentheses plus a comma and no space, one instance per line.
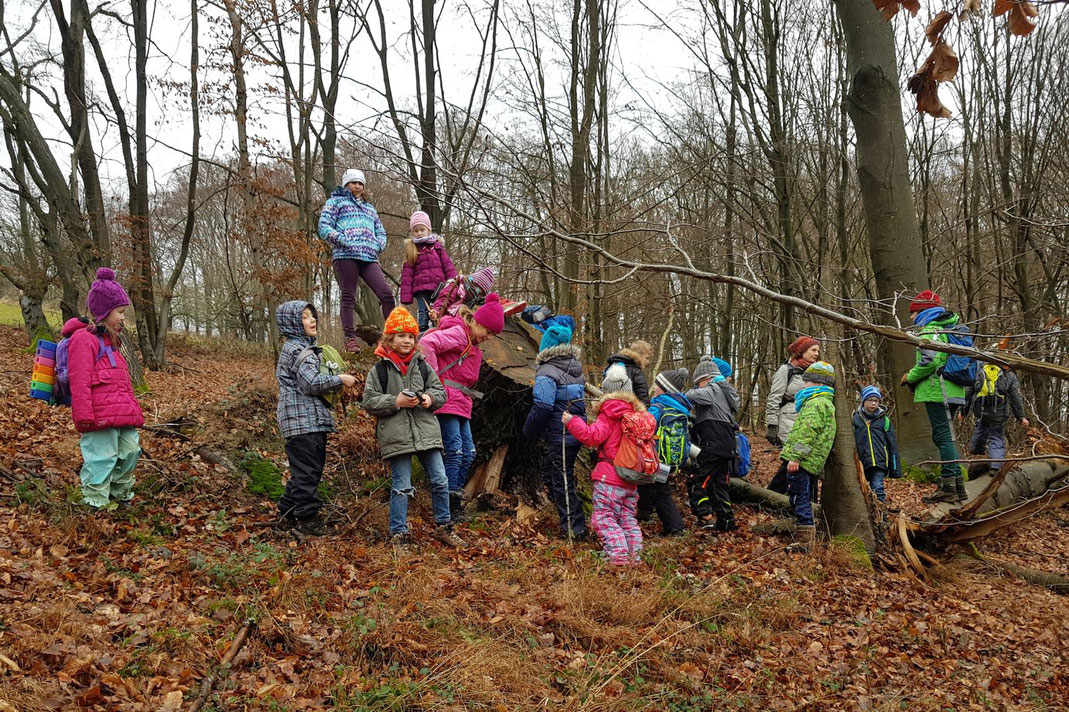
(331,362)
(382,373)
(990,400)
(742,451)
(673,437)
(636,460)
(959,369)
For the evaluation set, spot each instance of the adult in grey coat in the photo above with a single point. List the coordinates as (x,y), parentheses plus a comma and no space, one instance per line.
(787,381)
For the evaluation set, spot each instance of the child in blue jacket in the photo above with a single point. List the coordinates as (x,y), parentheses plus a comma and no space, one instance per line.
(559,387)
(877,447)
(668,404)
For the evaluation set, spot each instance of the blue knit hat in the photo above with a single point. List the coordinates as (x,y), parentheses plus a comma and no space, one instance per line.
(724,366)
(871,392)
(555,336)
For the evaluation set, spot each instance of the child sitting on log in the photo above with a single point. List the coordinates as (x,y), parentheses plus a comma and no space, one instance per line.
(402,391)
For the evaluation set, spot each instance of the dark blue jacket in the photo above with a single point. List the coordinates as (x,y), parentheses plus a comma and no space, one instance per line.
(875,438)
(677,401)
(559,386)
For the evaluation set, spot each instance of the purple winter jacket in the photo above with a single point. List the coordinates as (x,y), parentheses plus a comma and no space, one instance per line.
(432,267)
(101,393)
(441,347)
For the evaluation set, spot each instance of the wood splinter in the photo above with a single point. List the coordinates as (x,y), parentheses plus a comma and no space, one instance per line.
(223,670)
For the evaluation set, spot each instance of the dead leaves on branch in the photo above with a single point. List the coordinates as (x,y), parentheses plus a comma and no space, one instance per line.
(890,8)
(1023,15)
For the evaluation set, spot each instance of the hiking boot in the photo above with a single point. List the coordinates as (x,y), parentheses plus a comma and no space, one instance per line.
(805,535)
(352,344)
(726,525)
(445,534)
(945,493)
(979,469)
(400,544)
(707,525)
(959,489)
(644,516)
(314,526)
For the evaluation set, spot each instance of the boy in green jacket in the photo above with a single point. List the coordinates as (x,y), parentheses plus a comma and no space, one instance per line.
(808,444)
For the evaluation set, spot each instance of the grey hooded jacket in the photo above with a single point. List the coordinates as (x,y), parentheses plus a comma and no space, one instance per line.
(300,409)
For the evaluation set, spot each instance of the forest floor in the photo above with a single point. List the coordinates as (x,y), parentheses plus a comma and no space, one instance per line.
(131,610)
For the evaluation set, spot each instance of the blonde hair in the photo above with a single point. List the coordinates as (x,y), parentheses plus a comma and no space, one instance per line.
(411,253)
(643,349)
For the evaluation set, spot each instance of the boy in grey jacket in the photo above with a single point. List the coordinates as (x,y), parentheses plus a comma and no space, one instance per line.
(995,392)
(402,391)
(716,403)
(303,416)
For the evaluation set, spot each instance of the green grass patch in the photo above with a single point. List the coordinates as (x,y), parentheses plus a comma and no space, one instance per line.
(11,315)
(854,550)
(920,476)
(265,477)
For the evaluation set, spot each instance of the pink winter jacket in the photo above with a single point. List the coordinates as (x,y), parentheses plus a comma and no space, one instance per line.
(606,433)
(101,393)
(441,347)
(432,267)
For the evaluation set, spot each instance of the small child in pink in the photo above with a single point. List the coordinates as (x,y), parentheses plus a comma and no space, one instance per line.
(427,265)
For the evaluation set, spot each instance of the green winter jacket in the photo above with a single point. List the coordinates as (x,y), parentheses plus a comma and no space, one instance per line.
(813,433)
(404,431)
(924,378)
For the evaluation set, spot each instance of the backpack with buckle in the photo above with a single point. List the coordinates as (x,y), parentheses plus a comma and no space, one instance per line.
(636,460)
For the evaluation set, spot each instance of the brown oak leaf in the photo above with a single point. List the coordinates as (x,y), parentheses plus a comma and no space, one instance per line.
(926,89)
(1022,18)
(939,23)
(890,8)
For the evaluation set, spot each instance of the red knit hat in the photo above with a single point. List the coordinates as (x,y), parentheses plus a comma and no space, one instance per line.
(400,322)
(925,300)
(490,314)
(800,345)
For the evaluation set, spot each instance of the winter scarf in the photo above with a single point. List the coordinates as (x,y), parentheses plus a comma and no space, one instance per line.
(808,392)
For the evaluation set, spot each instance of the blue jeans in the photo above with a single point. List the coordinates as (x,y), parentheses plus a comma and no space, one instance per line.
(875,477)
(401,489)
(459,451)
(423,305)
(989,439)
(800,489)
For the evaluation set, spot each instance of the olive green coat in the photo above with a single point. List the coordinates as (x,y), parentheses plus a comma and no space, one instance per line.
(404,431)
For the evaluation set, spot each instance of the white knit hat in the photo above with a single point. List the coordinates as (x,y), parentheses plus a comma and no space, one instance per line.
(616,380)
(353,176)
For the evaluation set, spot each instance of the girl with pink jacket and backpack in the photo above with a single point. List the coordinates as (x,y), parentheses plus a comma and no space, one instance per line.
(103,404)
(427,265)
(615,500)
(452,350)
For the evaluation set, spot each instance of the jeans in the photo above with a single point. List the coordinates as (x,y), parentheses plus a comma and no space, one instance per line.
(989,439)
(801,486)
(307,454)
(943,438)
(109,457)
(349,273)
(875,476)
(401,489)
(559,479)
(423,305)
(459,453)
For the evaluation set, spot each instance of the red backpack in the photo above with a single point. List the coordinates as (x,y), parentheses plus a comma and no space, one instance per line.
(636,460)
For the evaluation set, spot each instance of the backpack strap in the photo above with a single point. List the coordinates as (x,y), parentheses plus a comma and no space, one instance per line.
(382,372)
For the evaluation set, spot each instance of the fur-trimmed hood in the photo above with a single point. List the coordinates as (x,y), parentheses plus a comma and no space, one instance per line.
(629,398)
(627,357)
(565,350)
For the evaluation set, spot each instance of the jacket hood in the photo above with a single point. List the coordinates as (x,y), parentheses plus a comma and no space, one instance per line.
(625,357)
(678,401)
(616,404)
(73,325)
(288,317)
(880,412)
(563,351)
(342,192)
(936,315)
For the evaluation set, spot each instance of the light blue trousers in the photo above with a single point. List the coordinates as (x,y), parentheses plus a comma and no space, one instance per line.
(109,457)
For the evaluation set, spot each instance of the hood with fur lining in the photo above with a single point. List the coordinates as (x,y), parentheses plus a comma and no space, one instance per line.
(566,350)
(629,398)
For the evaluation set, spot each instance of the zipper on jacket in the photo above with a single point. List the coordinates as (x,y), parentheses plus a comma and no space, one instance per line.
(872,449)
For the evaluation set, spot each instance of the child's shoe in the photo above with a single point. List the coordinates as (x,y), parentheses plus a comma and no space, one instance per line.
(512,308)
(352,344)
(445,534)
(314,526)
(959,489)
(400,544)
(726,525)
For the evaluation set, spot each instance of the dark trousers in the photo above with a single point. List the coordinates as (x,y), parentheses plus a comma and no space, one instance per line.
(658,497)
(801,492)
(707,486)
(349,274)
(939,416)
(562,488)
(307,454)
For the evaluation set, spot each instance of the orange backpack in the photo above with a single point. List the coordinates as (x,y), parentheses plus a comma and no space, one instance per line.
(636,460)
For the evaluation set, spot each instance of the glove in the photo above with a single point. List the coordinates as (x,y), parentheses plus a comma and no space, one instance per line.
(772,436)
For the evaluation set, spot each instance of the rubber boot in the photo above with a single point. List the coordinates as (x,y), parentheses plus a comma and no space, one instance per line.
(455,504)
(959,488)
(945,493)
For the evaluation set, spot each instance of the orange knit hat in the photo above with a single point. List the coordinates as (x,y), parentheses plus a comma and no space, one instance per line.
(400,322)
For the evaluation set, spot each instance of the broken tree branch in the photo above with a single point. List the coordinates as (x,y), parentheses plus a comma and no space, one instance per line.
(224,667)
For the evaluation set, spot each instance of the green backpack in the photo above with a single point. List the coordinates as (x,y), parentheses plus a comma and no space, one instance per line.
(330,362)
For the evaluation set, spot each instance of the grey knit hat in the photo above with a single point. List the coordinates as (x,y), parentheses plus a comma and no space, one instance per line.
(705,369)
(616,380)
(673,380)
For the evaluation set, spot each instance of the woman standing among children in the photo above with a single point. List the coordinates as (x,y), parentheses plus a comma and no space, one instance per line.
(103,404)
(351,225)
(452,350)
(787,381)
(615,500)
(402,391)
(427,265)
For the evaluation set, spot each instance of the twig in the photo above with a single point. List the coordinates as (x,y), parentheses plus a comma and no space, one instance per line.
(1023,458)
(224,667)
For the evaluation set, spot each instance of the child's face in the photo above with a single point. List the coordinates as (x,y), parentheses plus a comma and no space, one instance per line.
(703,382)
(479,333)
(308,320)
(871,404)
(419,231)
(115,319)
(403,343)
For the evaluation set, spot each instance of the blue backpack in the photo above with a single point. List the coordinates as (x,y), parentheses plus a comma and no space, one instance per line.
(958,369)
(742,450)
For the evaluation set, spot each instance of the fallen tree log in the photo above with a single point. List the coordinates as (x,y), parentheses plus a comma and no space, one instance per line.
(1056,583)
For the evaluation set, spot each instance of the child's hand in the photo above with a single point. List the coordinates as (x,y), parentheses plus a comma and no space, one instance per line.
(347,380)
(792,466)
(433,314)
(565,417)
(426,401)
(904,381)
(404,401)
(1024,422)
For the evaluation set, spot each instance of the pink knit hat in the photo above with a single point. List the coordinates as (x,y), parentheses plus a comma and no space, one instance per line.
(419,218)
(483,278)
(491,315)
(105,294)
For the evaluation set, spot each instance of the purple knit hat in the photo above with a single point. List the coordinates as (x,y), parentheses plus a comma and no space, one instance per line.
(105,294)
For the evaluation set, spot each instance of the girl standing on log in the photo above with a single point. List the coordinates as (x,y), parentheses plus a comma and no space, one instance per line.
(452,350)
(427,265)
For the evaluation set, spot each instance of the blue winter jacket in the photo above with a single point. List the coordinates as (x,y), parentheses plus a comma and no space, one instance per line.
(559,386)
(874,436)
(677,401)
(352,227)
(300,409)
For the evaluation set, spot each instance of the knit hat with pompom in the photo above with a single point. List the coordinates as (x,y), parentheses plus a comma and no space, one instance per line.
(491,315)
(105,294)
